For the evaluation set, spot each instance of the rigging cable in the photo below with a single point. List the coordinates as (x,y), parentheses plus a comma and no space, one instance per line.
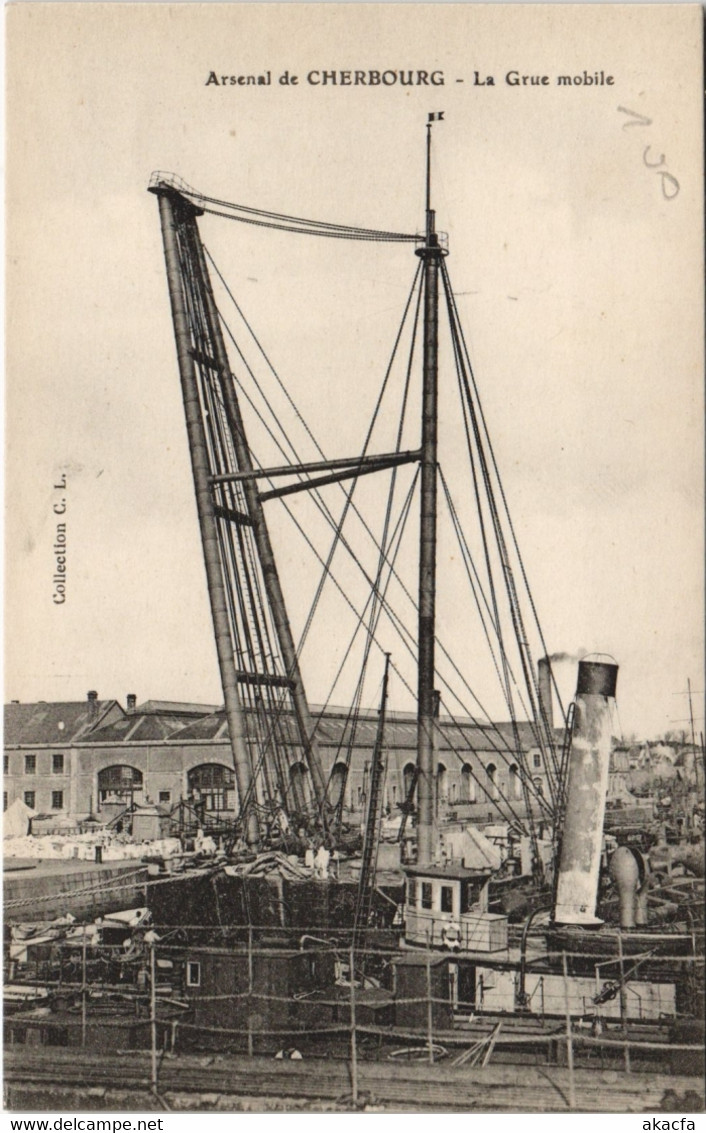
(511,526)
(284,221)
(495,616)
(345,542)
(513,600)
(323,508)
(475,582)
(376,605)
(507,574)
(398,623)
(338,230)
(339,525)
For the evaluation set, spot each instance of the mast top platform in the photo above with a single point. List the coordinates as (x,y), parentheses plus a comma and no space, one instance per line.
(169,184)
(437,243)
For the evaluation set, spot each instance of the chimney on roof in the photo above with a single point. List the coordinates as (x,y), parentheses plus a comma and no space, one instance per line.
(92,705)
(544,688)
(131,702)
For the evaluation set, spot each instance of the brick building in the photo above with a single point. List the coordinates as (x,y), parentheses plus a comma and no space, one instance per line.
(71,759)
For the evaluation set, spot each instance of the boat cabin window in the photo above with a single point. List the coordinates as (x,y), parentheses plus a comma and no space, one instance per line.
(193,974)
(412,891)
(426,894)
(447,899)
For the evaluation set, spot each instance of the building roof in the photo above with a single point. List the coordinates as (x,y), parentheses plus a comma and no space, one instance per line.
(206,729)
(57,723)
(175,708)
(150,726)
(454,735)
(159,721)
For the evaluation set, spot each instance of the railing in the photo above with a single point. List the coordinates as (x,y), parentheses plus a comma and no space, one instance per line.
(469,932)
(173,181)
(342,1015)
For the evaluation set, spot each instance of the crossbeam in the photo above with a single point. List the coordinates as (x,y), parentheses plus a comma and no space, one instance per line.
(232,516)
(316,466)
(272,680)
(346,474)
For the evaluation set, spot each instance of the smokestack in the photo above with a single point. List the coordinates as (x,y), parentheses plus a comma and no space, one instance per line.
(544,689)
(625,872)
(92,705)
(582,836)
(131,702)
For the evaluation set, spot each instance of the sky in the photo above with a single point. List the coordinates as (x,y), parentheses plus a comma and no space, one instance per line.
(575,224)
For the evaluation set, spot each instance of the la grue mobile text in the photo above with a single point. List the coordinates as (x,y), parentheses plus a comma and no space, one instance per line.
(407,78)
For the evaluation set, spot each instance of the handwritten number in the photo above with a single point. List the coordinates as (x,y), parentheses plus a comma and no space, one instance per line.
(652,164)
(670,185)
(665,178)
(640,119)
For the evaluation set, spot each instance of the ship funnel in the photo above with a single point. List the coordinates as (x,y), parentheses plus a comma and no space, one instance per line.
(582,836)
(625,872)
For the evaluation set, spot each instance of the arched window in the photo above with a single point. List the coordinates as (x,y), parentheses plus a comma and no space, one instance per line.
(299,785)
(515,782)
(337,783)
(491,786)
(408,776)
(119,784)
(539,785)
(468,784)
(442,783)
(212,785)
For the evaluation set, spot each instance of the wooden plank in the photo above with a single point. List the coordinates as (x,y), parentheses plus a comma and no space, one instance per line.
(498,1088)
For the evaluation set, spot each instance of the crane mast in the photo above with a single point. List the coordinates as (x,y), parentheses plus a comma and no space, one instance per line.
(230,511)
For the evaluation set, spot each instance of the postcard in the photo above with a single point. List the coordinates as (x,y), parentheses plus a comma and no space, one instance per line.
(354,557)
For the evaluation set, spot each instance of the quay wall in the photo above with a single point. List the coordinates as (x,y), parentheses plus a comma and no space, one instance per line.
(89,891)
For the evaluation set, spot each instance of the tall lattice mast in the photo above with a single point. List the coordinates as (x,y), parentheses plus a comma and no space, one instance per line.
(256,652)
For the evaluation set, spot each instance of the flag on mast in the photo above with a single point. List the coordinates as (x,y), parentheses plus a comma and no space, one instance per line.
(438,116)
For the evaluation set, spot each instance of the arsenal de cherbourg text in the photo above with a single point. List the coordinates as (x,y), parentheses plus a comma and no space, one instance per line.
(367,78)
